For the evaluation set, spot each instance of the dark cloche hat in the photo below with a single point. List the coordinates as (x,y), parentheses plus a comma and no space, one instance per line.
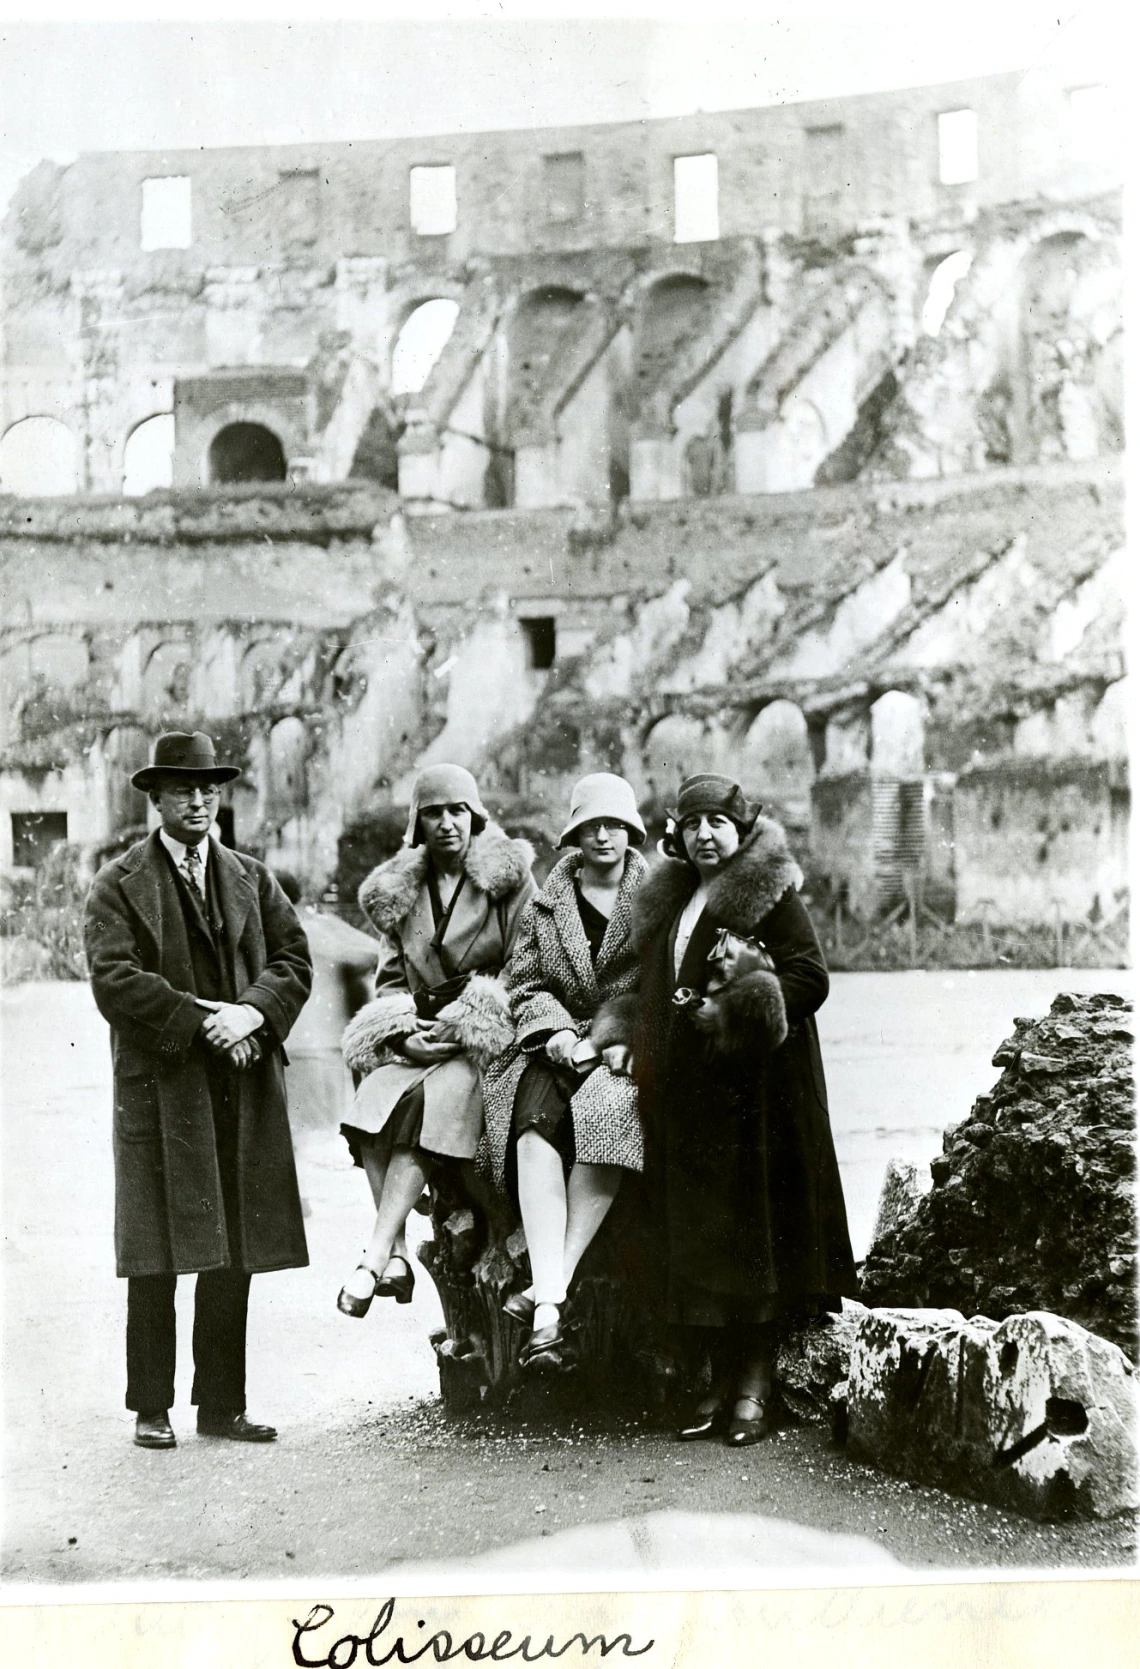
(178,755)
(709,792)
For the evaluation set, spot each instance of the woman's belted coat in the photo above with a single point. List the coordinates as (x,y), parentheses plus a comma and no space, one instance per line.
(413,961)
(553,987)
(169,1207)
(741,1175)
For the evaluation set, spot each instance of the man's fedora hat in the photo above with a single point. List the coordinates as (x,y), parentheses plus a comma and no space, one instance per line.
(178,755)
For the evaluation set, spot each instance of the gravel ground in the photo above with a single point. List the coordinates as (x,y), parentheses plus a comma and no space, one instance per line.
(370,1476)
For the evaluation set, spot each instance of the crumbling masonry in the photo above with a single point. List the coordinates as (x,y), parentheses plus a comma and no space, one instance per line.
(501,448)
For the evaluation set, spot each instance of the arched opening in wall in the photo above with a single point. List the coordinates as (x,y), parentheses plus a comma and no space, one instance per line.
(57,667)
(944,281)
(166,684)
(423,336)
(898,795)
(676,747)
(39,458)
(673,312)
(245,452)
(776,765)
(288,754)
(1071,348)
(60,660)
(377,455)
(708,457)
(898,745)
(542,325)
(259,680)
(125,751)
(804,435)
(148,456)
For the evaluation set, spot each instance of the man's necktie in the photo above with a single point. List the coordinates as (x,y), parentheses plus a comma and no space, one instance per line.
(192,869)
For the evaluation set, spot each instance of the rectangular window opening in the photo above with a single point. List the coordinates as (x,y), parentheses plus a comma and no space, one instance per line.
(34,833)
(825,178)
(298,205)
(696,207)
(164,222)
(541,642)
(1091,117)
(432,203)
(957,147)
(564,177)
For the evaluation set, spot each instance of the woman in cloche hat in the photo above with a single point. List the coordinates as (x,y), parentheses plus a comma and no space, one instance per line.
(447,908)
(561,1108)
(741,1172)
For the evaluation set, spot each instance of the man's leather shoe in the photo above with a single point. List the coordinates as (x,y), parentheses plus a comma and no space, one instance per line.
(152,1431)
(235,1426)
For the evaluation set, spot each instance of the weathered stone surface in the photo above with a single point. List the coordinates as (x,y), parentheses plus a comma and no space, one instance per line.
(813,1360)
(1032,1204)
(903,1187)
(1034,1414)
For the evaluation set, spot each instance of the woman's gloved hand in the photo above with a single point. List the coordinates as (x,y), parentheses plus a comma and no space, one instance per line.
(619,1058)
(426,1048)
(560,1047)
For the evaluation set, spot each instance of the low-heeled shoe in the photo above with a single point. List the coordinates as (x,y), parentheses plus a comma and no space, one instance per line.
(348,1303)
(152,1431)
(544,1350)
(520,1308)
(236,1427)
(746,1429)
(398,1287)
(704,1423)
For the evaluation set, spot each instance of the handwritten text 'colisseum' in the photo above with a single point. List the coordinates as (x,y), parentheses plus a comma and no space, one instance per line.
(441,1647)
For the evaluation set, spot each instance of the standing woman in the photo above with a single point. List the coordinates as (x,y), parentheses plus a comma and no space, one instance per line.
(447,907)
(561,1107)
(741,1165)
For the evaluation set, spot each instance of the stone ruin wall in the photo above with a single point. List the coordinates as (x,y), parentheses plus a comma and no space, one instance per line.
(741,500)
(946,652)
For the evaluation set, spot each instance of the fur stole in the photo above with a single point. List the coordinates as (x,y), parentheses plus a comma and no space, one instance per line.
(479,1018)
(750,885)
(495,864)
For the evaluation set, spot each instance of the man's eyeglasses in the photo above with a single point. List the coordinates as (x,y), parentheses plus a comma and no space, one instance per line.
(208,792)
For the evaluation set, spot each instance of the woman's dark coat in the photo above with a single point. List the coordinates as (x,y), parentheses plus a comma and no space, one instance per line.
(169,1213)
(742,1179)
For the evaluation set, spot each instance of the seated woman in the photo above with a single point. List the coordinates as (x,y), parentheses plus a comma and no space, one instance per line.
(447,907)
(561,1108)
(741,1167)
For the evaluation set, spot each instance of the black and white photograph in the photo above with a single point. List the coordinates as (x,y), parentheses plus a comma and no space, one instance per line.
(566,980)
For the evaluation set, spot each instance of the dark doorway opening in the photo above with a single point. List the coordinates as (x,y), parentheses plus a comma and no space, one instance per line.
(246,452)
(34,833)
(540,642)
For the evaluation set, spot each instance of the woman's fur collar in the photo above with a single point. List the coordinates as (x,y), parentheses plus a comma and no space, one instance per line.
(752,883)
(495,864)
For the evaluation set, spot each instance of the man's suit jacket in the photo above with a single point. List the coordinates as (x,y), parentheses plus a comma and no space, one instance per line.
(169,1213)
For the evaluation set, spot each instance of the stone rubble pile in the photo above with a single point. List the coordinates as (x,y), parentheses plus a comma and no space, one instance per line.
(1032,1205)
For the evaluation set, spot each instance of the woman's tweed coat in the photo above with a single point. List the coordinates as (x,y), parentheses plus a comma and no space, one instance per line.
(741,1175)
(554,987)
(480,933)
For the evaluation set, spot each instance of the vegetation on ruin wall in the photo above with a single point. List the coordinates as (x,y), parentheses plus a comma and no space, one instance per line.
(41,920)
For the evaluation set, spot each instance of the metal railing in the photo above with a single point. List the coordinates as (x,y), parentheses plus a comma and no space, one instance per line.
(912,935)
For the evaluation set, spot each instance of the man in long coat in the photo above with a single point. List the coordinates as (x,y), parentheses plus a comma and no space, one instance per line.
(201,966)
